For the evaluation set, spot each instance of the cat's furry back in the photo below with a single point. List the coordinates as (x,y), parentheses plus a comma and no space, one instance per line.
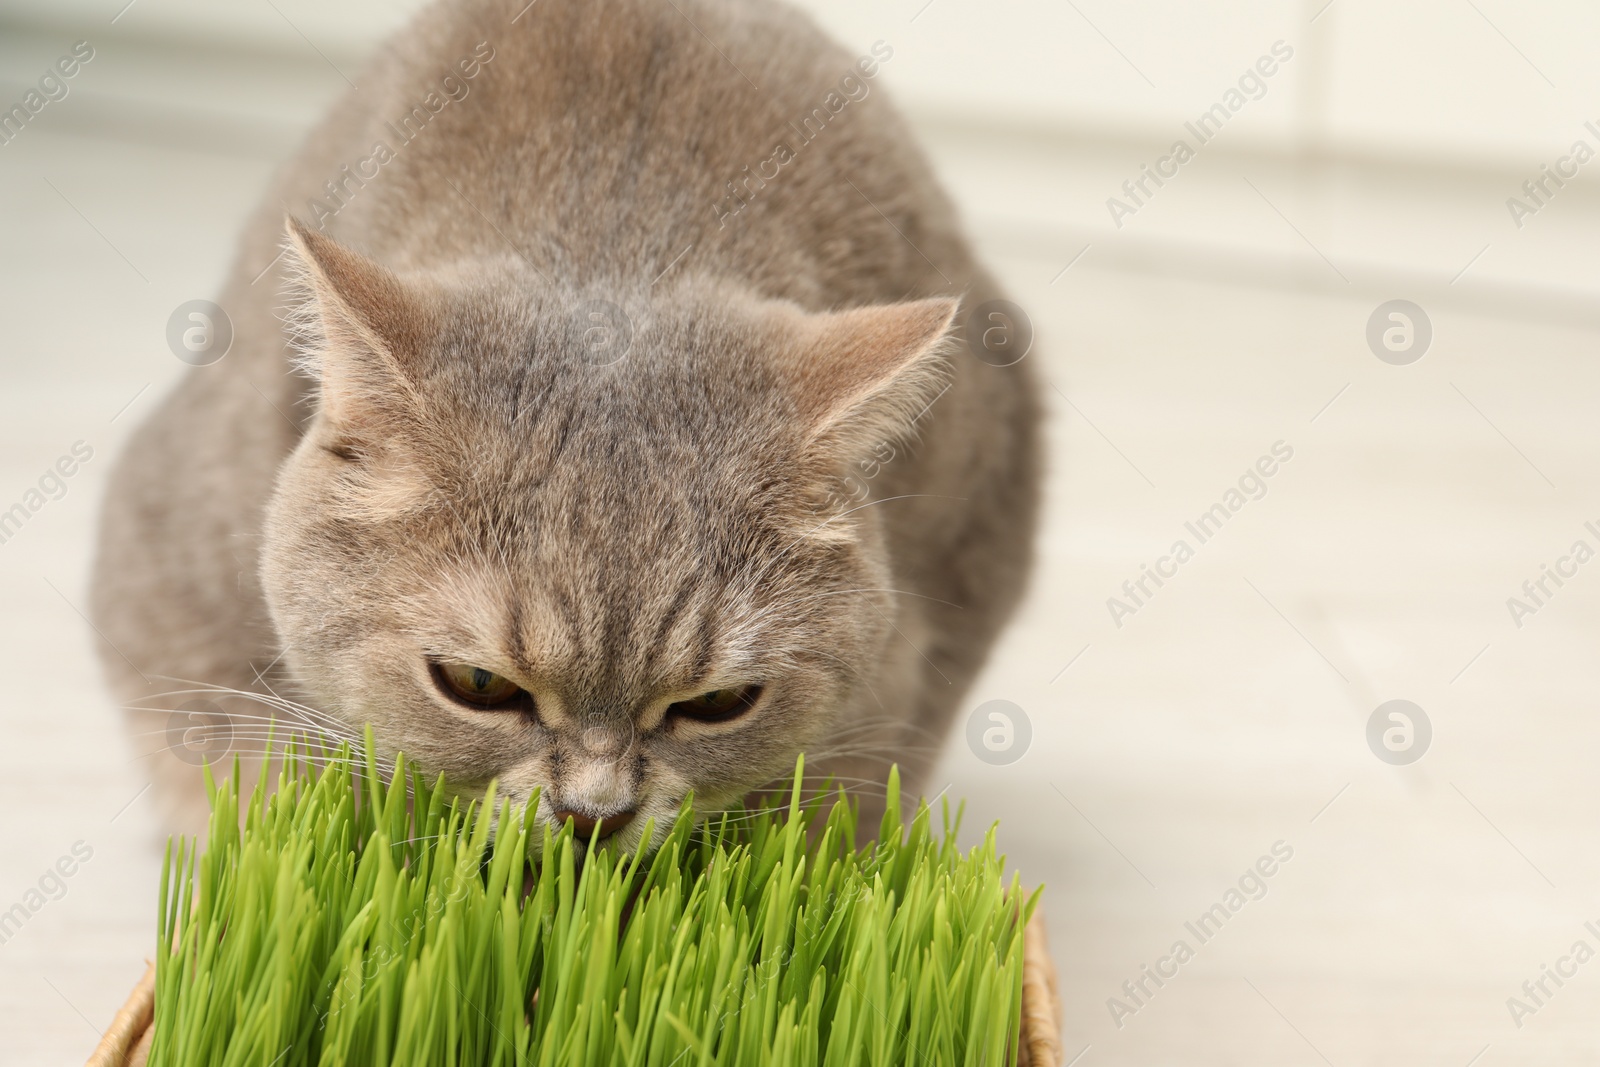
(458,476)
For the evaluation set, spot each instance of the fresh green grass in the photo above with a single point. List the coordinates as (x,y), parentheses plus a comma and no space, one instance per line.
(367,918)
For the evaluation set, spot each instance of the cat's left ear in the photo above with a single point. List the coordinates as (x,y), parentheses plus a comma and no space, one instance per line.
(358,327)
(866,375)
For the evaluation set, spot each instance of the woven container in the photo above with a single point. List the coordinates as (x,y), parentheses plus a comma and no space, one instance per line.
(127,1042)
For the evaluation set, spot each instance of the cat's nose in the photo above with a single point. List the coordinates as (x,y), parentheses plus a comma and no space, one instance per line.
(584,825)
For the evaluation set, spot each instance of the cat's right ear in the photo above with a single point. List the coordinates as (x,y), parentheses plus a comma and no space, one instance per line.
(357,328)
(868,374)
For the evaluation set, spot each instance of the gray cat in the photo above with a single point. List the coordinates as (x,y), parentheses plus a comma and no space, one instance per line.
(606,425)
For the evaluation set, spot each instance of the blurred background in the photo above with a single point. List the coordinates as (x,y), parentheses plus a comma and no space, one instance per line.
(1439,460)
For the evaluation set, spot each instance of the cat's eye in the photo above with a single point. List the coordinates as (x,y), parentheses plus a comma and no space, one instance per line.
(718,705)
(476,686)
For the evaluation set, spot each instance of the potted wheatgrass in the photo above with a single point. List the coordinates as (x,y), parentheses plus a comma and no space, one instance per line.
(352,915)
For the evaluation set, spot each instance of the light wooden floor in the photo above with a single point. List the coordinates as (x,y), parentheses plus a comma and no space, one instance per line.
(1168,754)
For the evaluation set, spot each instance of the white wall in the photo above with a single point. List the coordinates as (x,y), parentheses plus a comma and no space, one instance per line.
(1450,80)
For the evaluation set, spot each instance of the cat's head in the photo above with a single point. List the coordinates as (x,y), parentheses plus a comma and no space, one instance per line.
(525,545)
